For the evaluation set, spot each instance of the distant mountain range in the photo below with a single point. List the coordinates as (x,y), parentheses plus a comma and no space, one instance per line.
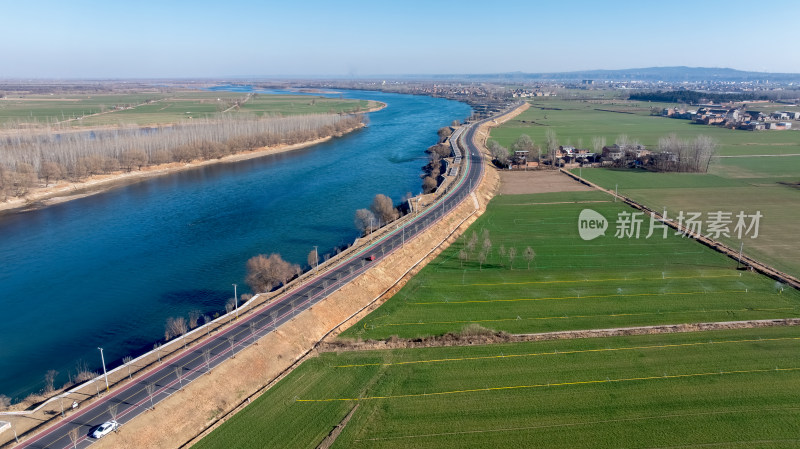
(652,74)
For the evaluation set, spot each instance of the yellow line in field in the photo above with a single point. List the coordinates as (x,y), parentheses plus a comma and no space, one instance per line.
(595,422)
(601,280)
(576,351)
(566,317)
(576,297)
(559,384)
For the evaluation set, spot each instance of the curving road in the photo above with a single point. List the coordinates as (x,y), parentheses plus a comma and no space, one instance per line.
(134,398)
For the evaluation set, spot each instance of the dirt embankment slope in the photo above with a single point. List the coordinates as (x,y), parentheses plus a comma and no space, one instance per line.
(208,401)
(483,336)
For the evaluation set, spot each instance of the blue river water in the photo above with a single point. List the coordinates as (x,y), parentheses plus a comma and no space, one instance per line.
(109,269)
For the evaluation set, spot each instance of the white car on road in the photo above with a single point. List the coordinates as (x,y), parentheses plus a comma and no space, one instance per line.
(104,429)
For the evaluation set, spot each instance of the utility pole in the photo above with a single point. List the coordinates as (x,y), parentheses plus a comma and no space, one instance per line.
(616,192)
(236,299)
(103,359)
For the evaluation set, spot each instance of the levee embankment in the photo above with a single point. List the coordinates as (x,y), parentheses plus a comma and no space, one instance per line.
(184,418)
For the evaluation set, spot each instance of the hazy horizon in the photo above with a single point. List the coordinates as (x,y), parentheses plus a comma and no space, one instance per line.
(87,39)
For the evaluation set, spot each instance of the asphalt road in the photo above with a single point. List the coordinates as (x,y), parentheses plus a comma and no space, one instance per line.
(134,398)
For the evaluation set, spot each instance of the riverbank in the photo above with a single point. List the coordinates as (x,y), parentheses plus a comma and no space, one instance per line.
(183,419)
(63,191)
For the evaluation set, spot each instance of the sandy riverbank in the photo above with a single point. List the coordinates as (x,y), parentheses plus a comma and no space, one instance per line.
(64,191)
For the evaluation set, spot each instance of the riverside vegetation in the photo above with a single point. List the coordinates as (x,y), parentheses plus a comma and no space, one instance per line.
(29,158)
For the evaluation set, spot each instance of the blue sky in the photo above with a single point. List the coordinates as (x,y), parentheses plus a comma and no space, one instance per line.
(152,39)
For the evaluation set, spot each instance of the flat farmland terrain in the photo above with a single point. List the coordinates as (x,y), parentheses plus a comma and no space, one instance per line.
(161,108)
(577,121)
(774,196)
(571,283)
(754,171)
(721,389)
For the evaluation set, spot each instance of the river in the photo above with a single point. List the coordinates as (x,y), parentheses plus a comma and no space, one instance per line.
(109,269)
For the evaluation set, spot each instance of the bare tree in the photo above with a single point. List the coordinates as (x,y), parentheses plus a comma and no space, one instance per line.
(127,361)
(462,256)
(512,254)
(229,306)
(194,317)
(551,141)
(473,240)
(49,381)
(207,324)
(157,348)
(150,387)
(675,154)
(253,332)
(383,209)
(267,272)
(499,153)
(529,255)
(429,184)
(487,245)
(50,170)
(481,259)
(133,157)
(113,408)
(176,327)
(179,374)
(313,258)
(231,342)
(444,133)
(364,220)
(502,253)
(5,402)
(74,436)
(207,359)
(523,143)
(598,142)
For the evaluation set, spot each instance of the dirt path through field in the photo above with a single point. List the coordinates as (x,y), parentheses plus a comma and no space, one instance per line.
(490,337)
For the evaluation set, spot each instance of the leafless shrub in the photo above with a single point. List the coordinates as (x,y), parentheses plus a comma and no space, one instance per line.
(429,184)
(175,327)
(194,317)
(365,220)
(444,133)
(49,381)
(475,330)
(383,209)
(5,402)
(266,272)
(82,372)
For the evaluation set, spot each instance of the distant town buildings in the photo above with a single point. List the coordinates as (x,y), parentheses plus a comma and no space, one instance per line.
(734,117)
